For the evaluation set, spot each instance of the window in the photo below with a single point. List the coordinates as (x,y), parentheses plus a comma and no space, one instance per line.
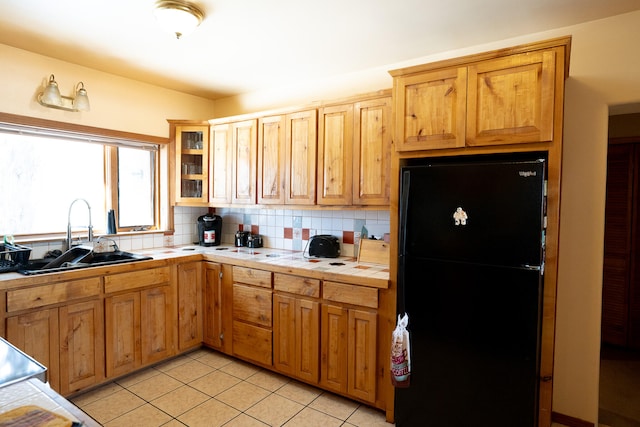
(136,192)
(42,172)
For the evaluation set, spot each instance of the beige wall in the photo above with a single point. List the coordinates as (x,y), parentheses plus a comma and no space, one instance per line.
(116,103)
(605,71)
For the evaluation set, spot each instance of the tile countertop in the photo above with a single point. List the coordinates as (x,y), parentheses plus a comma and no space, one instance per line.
(34,392)
(283,260)
(346,269)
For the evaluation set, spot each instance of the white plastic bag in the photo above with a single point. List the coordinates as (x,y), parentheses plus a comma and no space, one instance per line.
(401,353)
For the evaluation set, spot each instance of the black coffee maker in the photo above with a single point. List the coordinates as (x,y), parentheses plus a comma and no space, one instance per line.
(209,230)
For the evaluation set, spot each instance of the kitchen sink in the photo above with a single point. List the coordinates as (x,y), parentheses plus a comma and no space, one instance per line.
(79,257)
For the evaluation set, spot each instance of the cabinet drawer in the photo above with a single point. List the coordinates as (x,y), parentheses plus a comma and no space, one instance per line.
(252,305)
(21,299)
(136,279)
(350,294)
(251,276)
(252,342)
(296,285)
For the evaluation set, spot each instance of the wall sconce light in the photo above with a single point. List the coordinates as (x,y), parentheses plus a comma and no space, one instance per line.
(178,16)
(51,97)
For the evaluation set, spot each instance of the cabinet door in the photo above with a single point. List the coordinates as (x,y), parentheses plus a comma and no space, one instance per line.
(296,337)
(300,165)
(334,334)
(122,330)
(81,346)
(220,160)
(157,323)
(335,150)
(244,162)
(37,335)
(430,109)
(372,152)
(511,99)
(307,353)
(213,330)
(271,160)
(192,148)
(362,354)
(189,305)
(284,333)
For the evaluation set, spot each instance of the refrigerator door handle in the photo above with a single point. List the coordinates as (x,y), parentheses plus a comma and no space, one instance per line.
(404,210)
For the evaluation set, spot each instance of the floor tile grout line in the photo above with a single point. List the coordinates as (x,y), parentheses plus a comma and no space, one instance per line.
(194,356)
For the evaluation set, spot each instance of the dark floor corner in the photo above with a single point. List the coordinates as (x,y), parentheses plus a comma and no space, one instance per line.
(619,387)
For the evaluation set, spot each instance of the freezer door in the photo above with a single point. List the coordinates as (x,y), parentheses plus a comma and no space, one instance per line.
(475,339)
(477,211)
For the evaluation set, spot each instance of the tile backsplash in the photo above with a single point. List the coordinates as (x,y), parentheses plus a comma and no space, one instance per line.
(291,228)
(280,228)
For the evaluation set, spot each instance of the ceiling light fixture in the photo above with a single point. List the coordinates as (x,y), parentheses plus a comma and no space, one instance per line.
(178,16)
(51,97)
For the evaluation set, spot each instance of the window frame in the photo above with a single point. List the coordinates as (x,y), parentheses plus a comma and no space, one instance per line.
(110,139)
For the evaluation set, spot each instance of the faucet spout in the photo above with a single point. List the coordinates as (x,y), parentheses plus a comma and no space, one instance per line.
(89,227)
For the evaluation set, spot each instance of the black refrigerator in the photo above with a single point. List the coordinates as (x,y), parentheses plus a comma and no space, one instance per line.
(470,278)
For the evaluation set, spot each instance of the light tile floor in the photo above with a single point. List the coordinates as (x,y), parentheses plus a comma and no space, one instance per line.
(207,388)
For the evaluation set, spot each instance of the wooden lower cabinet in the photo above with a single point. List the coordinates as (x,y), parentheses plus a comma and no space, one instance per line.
(156,324)
(213,332)
(296,332)
(189,305)
(81,346)
(252,315)
(122,313)
(139,329)
(36,333)
(139,319)
(348,351)
(60,324)
(348,344)
(322,333)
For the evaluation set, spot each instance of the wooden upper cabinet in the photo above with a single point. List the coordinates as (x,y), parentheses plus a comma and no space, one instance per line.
(430,109)
(271,159)
(487,99)
(300,157)
(511,99)
(335,151)
(287,158)
(244,143)
(372,152)
(191,164)
(220,159)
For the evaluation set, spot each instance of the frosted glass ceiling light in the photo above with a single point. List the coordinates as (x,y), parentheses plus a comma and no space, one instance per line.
(81,101)
(50,97)
(51,94)
(178,16)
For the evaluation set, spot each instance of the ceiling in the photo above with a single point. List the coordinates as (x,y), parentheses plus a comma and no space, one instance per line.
(252,45)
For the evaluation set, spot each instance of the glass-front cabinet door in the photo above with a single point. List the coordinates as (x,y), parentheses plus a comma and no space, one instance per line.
(191,167)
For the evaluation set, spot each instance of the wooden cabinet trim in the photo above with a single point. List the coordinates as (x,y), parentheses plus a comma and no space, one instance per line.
(252,276)
(350,294)
(296,285)
(26,298)
(136,279)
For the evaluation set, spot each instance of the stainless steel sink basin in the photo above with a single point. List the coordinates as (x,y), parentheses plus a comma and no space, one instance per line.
(80,257)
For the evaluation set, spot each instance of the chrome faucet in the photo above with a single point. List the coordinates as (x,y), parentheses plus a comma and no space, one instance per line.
(90,227)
